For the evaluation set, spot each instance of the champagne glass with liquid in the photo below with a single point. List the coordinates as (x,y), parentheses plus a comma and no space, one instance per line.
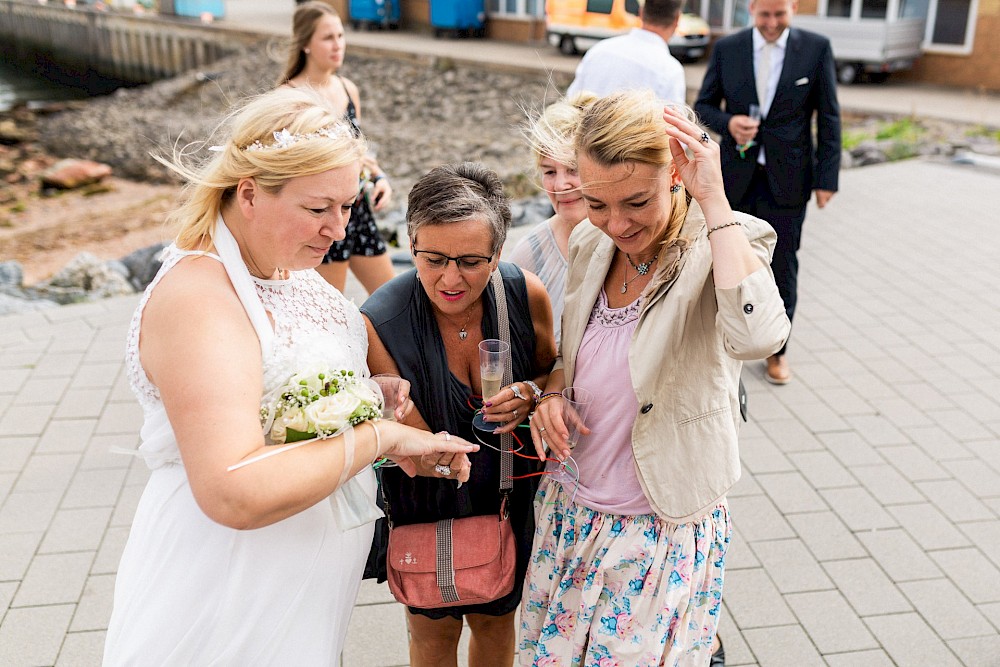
(494,356)
(390,386)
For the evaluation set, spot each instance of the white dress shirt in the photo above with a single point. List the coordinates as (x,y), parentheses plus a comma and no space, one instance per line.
(637,60)
(777,61)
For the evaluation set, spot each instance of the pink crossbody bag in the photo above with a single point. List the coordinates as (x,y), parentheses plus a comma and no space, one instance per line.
(459,561)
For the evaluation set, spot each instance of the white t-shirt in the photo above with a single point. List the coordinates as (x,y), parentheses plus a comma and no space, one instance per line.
(638,60)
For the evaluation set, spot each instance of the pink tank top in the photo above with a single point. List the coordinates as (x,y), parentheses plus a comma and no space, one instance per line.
(608,479)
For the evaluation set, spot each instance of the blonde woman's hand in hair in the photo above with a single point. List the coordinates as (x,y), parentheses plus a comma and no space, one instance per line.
(699,166)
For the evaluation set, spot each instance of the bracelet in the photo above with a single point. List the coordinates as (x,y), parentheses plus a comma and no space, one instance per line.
(722,226)
(376,179)
(378,442)
(547,396)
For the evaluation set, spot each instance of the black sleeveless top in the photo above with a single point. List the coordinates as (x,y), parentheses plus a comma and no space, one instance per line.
(402,315)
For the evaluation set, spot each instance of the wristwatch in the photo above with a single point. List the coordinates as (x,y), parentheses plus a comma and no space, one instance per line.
(535,390)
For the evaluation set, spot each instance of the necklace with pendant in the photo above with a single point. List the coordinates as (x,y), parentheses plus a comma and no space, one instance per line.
(462,333)
(641,270)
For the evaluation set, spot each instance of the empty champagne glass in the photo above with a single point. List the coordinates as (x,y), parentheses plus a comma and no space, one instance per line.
(576,405)
(494,356)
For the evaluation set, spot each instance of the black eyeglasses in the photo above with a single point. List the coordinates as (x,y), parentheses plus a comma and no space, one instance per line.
(435,260)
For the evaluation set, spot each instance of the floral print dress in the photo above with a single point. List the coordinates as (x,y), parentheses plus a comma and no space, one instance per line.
(618,590)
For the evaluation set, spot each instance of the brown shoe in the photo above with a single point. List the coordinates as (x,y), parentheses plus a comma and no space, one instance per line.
(777,370)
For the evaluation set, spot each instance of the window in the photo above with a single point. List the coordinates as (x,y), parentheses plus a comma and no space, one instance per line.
(516,8)
(951,22)
(874,9)
(599,6)
(632,7)
(838,8)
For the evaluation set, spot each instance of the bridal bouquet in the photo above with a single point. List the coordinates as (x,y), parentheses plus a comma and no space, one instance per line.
(319,403)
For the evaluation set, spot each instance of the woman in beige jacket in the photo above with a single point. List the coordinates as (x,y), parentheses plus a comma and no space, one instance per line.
(668,292)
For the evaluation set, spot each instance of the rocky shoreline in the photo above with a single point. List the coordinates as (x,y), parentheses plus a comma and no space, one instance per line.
(417,112)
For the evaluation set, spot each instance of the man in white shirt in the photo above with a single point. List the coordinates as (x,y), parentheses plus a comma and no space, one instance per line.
(638,60)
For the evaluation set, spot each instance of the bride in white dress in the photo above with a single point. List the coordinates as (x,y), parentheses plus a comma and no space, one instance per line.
(257,565)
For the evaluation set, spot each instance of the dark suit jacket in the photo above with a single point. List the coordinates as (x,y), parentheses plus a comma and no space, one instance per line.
(794,166)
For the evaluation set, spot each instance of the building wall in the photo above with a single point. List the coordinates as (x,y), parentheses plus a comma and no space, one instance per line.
(515,30)
(979,70)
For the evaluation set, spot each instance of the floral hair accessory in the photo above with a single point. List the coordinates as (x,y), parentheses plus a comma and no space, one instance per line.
(284,138)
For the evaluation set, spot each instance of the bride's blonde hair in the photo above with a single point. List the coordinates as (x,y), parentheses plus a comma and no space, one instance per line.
(255,145)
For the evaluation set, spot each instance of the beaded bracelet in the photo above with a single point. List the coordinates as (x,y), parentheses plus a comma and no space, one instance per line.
(722,226)
(544,397)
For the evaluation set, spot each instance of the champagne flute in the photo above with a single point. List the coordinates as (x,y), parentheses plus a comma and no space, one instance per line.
(494,357)
(576,405)
(754,114)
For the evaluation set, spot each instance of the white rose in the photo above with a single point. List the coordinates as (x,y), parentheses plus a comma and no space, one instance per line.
(295,420)
(330,413)
(278,432)
(366,391)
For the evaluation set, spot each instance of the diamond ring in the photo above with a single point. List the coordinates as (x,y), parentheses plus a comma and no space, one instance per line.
(442,470)
(514,412)
(541,430)
(705,138)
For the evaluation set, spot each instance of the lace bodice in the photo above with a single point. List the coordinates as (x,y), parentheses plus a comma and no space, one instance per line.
(312,322)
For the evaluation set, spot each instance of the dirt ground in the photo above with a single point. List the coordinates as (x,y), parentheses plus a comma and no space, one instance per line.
(50,231)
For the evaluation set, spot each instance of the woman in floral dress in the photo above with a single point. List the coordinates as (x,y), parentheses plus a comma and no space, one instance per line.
(665,298)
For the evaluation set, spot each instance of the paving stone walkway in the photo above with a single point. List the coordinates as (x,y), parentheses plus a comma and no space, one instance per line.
(867,519)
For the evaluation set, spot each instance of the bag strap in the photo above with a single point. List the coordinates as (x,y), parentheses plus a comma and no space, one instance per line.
(503,325)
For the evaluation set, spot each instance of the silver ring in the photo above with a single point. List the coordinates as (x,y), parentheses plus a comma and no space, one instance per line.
(517,392)
(541,430)
(442,470)
(705,138)
(514,412)
(447,436)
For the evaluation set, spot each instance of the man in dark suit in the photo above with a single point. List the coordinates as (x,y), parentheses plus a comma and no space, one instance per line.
(771,166)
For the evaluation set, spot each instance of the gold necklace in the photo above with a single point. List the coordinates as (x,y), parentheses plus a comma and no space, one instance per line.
(641,270)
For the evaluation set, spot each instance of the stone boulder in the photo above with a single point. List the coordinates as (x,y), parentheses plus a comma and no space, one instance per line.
(85,278)
(142,265)
(71,173)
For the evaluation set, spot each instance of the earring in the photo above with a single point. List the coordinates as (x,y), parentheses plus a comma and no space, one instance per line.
(674,189)
(306,50)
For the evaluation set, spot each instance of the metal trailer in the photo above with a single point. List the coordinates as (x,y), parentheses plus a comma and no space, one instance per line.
(867,43)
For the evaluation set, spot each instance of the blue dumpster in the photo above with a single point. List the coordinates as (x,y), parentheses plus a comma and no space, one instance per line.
(195,8)
(459,16)
(374,13)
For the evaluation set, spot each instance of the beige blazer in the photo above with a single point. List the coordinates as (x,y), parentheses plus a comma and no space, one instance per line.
(685,359)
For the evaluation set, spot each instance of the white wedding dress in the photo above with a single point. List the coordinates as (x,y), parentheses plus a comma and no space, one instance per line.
(190,591)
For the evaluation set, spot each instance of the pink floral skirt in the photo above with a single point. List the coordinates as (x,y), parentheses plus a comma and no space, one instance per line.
(605,590)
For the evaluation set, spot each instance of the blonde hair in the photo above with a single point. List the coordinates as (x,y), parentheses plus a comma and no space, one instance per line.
(629,127)
(552,132)
(213,182)
(304,22)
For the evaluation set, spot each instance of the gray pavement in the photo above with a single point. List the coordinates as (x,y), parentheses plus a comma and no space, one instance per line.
(867,518)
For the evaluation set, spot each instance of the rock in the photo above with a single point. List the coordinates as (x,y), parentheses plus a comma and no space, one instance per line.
(12,133)
(72,173)
(141,266)
(11,305)
(11,274)
(85,278)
